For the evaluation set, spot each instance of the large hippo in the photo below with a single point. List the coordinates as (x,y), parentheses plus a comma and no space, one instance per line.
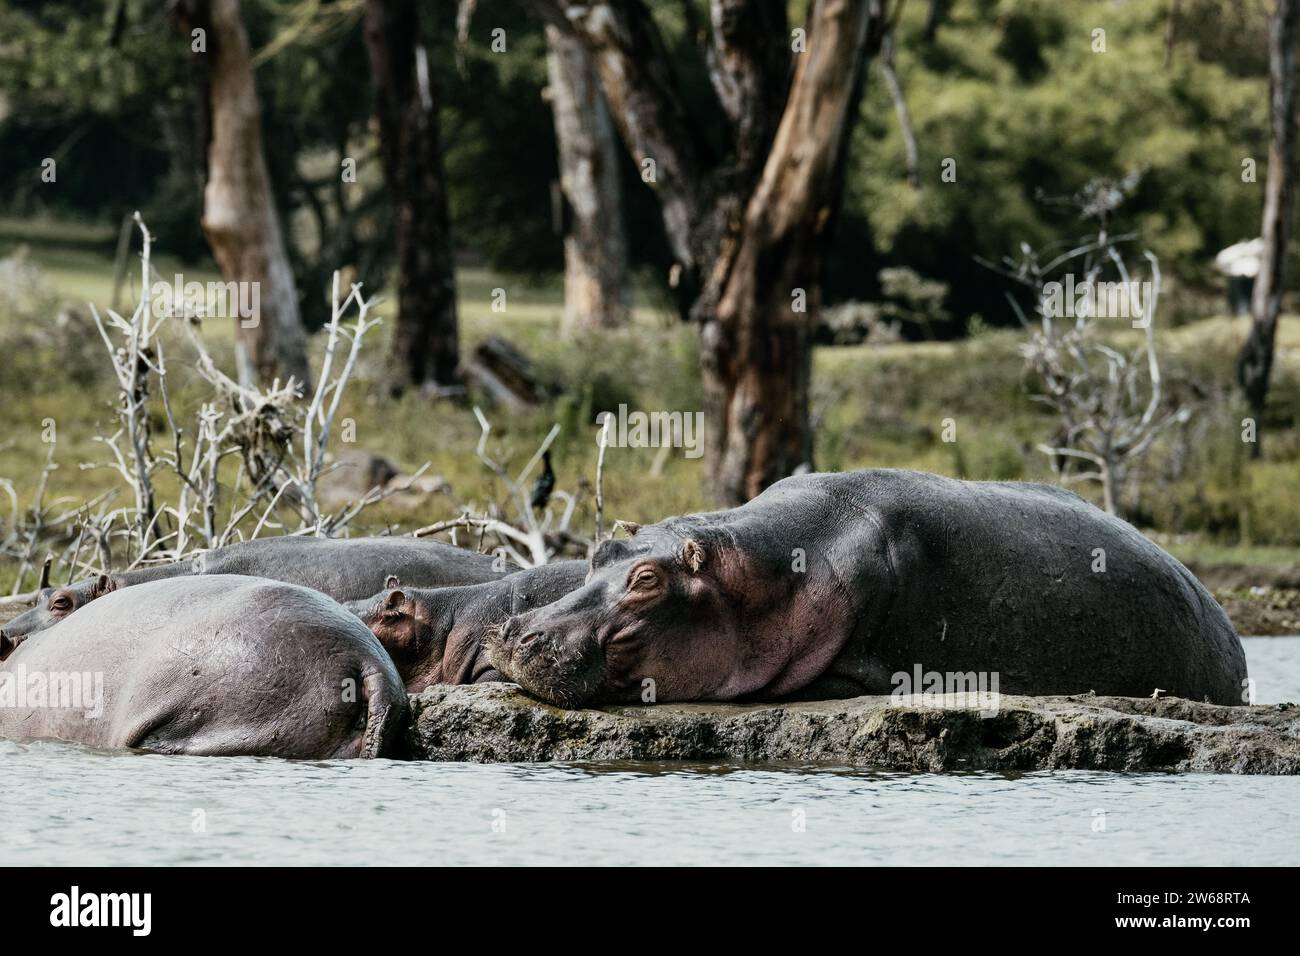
(346,569)
(836,585)
(219,664)
(439,635)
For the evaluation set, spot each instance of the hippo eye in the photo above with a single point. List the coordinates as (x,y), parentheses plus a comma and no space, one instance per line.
(60,603)
(643,579)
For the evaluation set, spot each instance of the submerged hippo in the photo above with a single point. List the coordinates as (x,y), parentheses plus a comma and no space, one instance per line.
(438,635)
(834,585)
(346,569)
(219,664)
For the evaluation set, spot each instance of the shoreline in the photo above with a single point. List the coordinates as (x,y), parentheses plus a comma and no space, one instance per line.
(1260,600)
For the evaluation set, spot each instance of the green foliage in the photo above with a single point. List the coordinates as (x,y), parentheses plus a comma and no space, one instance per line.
(1011,89)
(499,143)
(111,117)
(918,300)
(1013,92)
(41,339)
(993,455)
(874,406)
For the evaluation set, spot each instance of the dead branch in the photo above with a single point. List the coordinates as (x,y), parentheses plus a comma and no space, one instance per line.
(278,442)
(1110,404)
(900,110)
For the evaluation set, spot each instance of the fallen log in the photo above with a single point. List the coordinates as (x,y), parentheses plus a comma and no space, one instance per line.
(504,373)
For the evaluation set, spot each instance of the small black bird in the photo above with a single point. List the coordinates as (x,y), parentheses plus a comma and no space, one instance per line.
(544,484)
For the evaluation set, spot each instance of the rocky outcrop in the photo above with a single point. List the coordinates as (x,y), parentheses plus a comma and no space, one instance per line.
(493,723)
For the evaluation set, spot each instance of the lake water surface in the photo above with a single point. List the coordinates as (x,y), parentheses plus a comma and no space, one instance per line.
(65,804)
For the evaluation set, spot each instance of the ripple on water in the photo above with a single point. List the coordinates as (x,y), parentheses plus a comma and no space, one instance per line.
(72,805)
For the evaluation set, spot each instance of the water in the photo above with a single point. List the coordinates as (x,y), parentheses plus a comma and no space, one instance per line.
(69,805)
(1274,664)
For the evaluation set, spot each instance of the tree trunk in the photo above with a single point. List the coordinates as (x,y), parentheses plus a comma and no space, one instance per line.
(749,228)
(239,216)
(757,341)
(1255,363)
(595,249)
(425,343)
(934,19)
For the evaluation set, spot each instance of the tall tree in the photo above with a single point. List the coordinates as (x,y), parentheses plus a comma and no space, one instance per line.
(748,225)
(425,338)
(1255,363)
(595,248)
(239,216)
(934,19)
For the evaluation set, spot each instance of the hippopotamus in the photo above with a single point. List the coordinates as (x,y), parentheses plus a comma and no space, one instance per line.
(837,585)
(438,635)
(211,665)
(346,569)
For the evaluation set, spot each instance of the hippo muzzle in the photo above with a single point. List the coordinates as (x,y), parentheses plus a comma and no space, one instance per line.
(556,664)
(13,634)
(7,644)
(23,627)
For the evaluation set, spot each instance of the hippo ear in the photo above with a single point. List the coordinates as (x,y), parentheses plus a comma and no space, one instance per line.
(631,527)
(103,585)
(608,552)
(391,582)
(693,555)
(394,599)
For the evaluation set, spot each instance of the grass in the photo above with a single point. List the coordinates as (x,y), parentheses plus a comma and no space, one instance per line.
(1210,552)
(879,406)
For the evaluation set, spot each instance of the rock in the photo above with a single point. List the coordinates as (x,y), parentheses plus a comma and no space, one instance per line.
(494,723)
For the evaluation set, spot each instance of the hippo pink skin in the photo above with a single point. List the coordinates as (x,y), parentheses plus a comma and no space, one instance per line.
(832,585)
(439,635)
(213,665)
(346,569)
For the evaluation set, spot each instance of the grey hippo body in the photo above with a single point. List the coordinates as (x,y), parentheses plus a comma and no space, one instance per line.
(212,665)
(346,569)
(832,585)
(439,635)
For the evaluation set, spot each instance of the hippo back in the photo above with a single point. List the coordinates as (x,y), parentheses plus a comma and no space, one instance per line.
(348,569)
(218,664)
(1035,583)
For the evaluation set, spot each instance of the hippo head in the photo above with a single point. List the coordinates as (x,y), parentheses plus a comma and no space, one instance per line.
(656,620)
(52,606)
(415,626)
(403,625)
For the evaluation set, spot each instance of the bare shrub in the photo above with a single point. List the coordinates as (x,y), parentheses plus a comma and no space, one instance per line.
(1110,404)
(275,439)
(513,525)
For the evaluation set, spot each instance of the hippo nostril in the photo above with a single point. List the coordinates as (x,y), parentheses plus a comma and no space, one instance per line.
(528,638)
